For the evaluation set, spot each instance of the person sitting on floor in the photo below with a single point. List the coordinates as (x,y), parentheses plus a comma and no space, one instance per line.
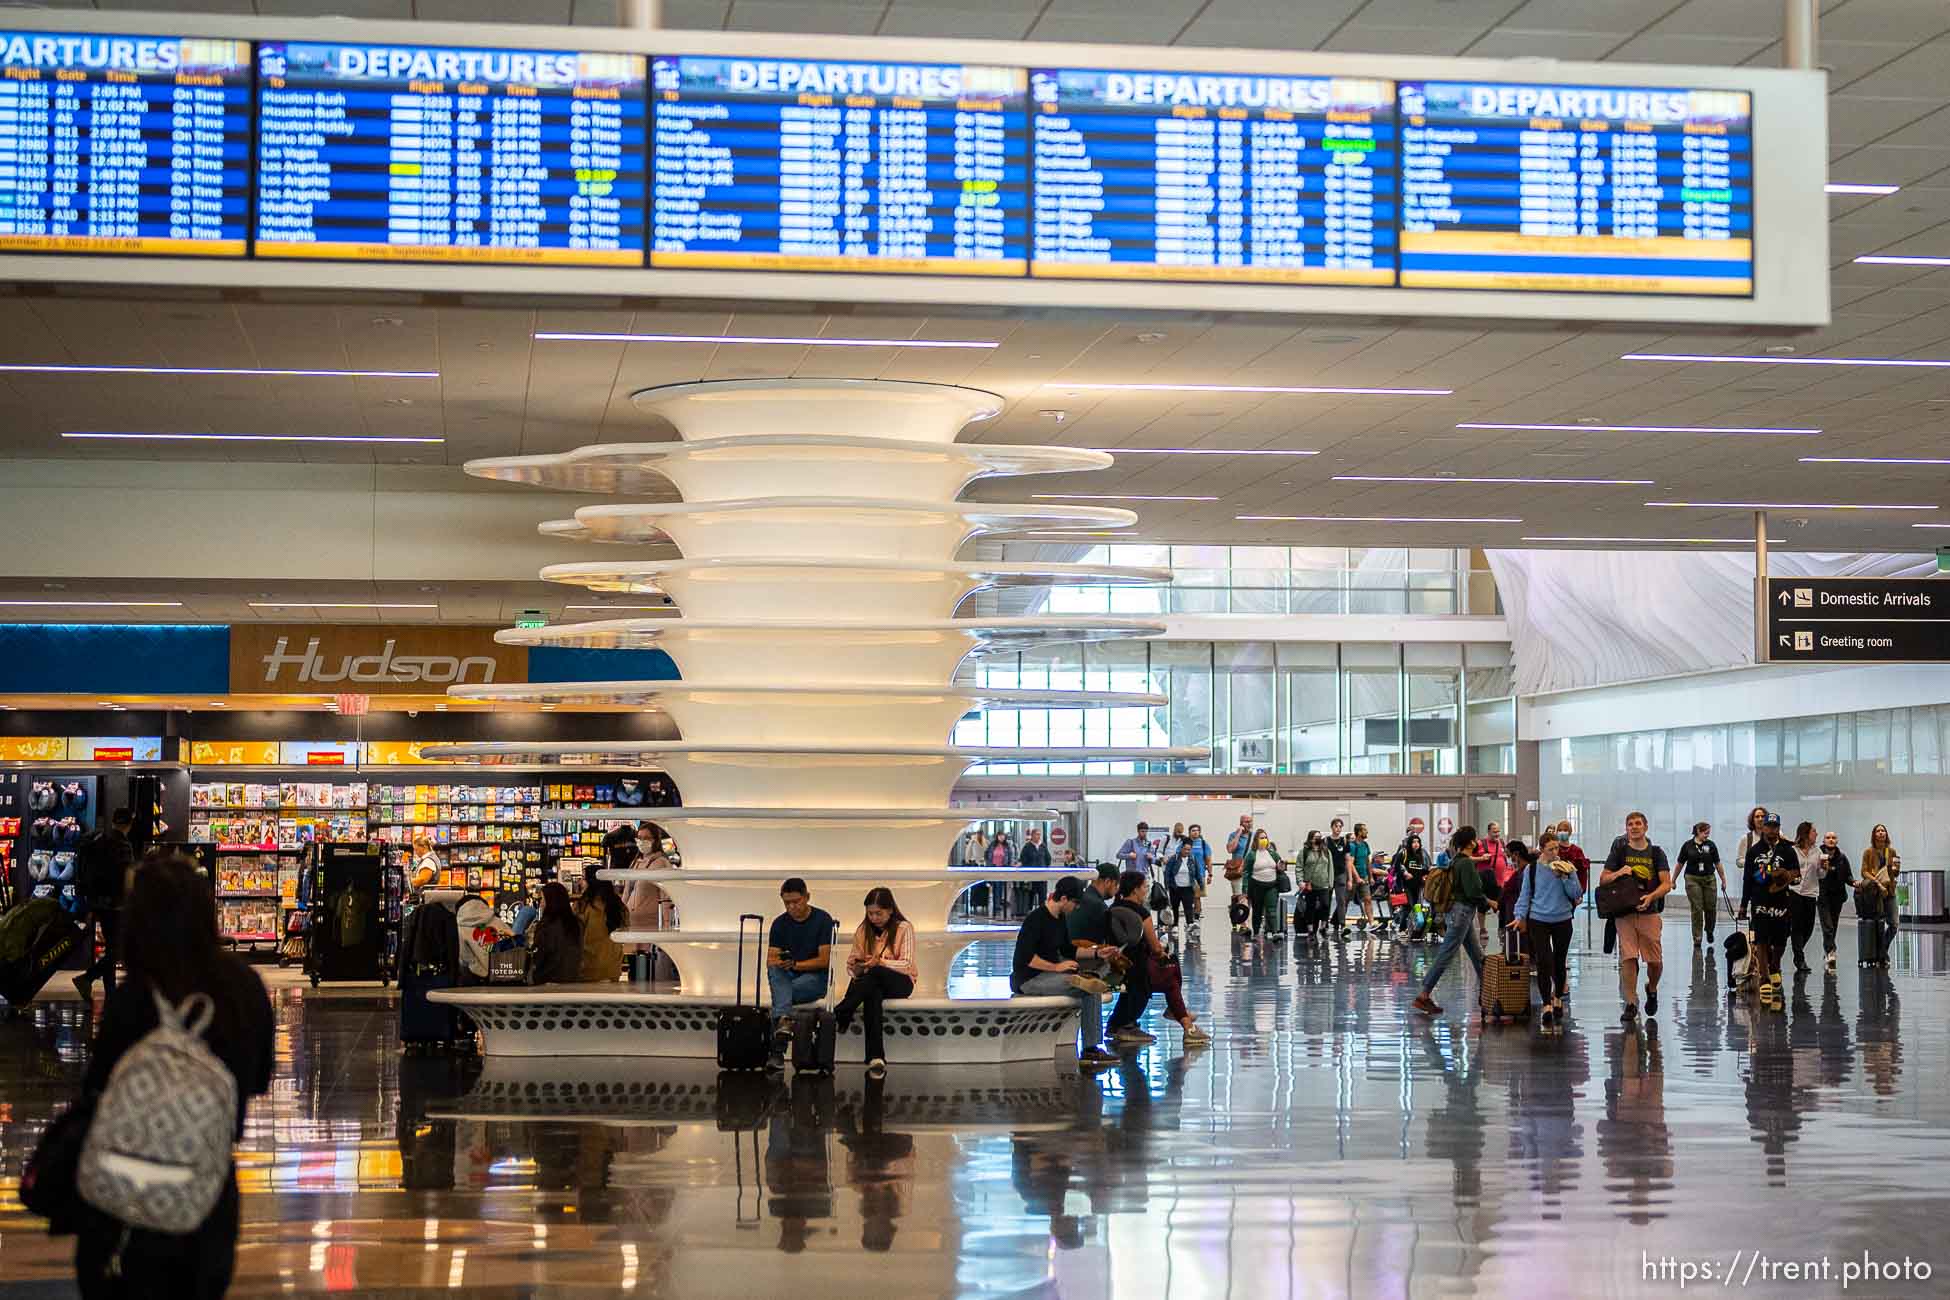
(1135,931)
(797,951)
(1045,966)
(881,964)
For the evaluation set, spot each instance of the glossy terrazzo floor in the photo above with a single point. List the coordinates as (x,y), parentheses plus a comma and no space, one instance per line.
(1328,1143)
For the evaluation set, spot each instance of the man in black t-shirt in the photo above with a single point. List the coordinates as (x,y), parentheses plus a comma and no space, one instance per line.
(1338,846)
(798,949)
(1772,866)
(1045,965)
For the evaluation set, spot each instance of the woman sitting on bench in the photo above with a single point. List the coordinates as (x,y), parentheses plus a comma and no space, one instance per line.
(882,966)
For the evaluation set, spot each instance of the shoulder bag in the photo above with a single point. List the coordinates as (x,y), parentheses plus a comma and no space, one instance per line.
(1620,896)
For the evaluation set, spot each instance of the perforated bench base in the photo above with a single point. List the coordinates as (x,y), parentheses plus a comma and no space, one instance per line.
(582,1021)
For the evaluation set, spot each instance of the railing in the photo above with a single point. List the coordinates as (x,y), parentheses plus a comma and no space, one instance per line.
(1286,591)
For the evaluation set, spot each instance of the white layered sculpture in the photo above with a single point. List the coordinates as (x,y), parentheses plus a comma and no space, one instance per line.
(817,646)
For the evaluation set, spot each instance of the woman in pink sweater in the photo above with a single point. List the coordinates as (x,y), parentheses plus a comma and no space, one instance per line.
(882,966)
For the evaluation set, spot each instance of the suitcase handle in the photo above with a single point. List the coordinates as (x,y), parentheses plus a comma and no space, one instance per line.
(738,989)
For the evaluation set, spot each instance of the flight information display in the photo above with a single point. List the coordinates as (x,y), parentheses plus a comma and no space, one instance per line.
(784,165)
(1602,189)
(415,153)
(124,144)
(1198,176)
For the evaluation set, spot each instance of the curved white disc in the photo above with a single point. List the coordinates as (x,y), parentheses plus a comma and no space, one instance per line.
(978,754)
(729,408)
(837,528)
(814,589)
(772,696)
(797,464)
(638,577)
(960,815)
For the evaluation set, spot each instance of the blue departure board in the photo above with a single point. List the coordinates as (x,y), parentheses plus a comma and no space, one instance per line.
(124,144)
(830,166)
(1200,176)
(415,153)
(1603,189)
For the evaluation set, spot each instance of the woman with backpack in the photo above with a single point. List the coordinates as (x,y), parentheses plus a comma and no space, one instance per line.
(173,956)
(1457,889)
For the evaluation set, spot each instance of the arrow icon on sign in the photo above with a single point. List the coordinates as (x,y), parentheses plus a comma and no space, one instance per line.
(1786,641)
(1786,598)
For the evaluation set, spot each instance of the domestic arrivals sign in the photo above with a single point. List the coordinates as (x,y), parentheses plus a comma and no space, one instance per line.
(379,660)
(1858,620)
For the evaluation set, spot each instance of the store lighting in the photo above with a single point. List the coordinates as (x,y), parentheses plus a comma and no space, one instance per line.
(1437,478)
(93,604)
(1894,259)
(219,704)
(1789,361)
(1109,496)
(1198,451)
(1851,187)
(332,604)
(20,369)
(1930,525)
(1875,460)
(1632,428)
(1778,505)
(246,437)
(1249,388)
(1372,519)
(566,336)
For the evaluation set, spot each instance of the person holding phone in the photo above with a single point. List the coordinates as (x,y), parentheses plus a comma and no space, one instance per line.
(1836,877)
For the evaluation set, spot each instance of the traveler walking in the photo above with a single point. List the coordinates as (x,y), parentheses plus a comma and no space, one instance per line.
(102,862)
(1836,877)
(1359,853)
(1547,902)
(1461,888)
(881,969)
(173,955)
(1337,851)
(1568,849)
(1804,895)
(1771,866)
(1699,861)
(1888,865)
(1187,863)
(1755,832)
(1264,870)
(1640,931)
(1316,886)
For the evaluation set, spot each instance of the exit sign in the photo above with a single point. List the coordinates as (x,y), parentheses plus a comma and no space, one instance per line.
(1943,559)
(530,618)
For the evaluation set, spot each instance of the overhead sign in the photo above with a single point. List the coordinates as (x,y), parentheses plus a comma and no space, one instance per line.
(378,660)
(1858,620)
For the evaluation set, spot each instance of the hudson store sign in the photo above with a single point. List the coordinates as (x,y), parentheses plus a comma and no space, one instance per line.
(380,660)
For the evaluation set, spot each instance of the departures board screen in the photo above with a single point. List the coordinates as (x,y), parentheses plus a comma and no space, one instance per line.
(1605,189)
(777,164)
(124,144)
(1200,176)
(417,153)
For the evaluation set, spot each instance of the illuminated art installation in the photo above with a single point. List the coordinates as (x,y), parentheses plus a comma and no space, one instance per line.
(817,650)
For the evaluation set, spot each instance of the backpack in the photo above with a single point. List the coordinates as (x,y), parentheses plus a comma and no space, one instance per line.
(157,1155)
(1438,891)
(98,870)
(21,925)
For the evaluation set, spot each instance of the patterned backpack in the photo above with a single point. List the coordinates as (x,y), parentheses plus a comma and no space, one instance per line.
(157,1155)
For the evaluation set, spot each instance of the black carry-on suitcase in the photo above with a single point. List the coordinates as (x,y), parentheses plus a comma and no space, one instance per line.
(744,1031)
(52,944)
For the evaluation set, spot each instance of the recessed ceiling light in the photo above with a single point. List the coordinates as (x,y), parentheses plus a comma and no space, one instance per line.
(616,607)
(1854,187)
(1252,388)
(1198,451)
(1781,349)
(1333,338)
(333,604)
(393,321)
(1450,478)
(1875,460)
(1779,505)
(1373,519)
(1789,361)
(218,370)
(1056,415)
(1152,336)
(565,336)
(1688,541)
(96,604)
(1930,525)
(1582,427)
(1109,496)
(1891,259)
(244,437)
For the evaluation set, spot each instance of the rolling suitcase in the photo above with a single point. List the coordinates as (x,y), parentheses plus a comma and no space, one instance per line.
(1505,991)
(815,1041)
(744,1031)
(51,944)
(424,1024)
(1869,939)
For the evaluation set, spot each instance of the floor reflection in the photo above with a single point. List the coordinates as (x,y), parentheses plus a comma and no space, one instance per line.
(1329,1143)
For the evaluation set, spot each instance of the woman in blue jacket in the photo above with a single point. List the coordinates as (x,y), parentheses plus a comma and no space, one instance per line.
(1547,902)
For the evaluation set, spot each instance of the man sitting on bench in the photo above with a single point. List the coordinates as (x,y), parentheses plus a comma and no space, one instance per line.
(796,955)
(1045,965)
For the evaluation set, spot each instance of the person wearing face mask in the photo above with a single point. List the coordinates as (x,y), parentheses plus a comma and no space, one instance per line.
(1263,869)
